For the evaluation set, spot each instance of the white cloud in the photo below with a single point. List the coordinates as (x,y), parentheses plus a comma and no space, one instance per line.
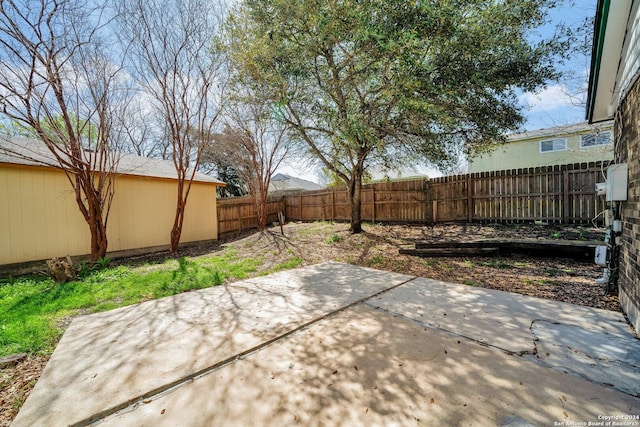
(551,98)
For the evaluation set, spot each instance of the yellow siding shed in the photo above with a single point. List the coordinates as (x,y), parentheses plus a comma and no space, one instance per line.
(40,219)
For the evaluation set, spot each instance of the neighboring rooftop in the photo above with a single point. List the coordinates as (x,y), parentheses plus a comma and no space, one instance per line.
(25,151)
(282,182)
(576,128)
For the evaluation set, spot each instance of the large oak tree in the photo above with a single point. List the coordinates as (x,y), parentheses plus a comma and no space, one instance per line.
(386,82)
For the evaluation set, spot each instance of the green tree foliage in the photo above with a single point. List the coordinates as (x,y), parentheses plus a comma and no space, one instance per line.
(235,186)
(14,128)
(218,166)
(54,128)
(387,82)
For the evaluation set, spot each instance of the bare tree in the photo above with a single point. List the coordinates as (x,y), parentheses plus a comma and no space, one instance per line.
(56,81)
(255,143)
(170,42)
(144,135)
(576,77)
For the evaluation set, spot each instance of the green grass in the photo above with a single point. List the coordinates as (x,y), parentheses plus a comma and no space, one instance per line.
(334,238)
(286,265)
(375,260)
(33,309)
(552,272)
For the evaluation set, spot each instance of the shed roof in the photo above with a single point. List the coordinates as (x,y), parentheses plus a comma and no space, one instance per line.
(31,152)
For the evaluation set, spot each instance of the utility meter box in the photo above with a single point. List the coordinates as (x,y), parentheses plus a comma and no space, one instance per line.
(616,226)
(601,255)
(617,182)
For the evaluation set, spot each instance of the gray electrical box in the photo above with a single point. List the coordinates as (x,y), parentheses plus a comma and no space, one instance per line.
(617,182)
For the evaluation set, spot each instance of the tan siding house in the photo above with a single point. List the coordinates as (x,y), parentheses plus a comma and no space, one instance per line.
(40,219)
(561,145)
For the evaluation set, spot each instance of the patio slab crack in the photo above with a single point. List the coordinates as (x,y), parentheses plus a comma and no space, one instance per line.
(601,356)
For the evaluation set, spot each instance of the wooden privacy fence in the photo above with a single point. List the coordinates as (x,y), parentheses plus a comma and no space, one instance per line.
(397,201)
(563,193)
(236,214)
(553,193)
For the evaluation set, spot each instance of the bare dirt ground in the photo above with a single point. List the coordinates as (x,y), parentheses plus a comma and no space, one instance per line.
(16,383)
(557,279)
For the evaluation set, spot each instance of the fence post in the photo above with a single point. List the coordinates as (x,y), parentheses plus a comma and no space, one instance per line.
(435,211)
(469,199)
(283,204)
(373,202)
(565,195)
(239,219)
(333,205)
(300,206)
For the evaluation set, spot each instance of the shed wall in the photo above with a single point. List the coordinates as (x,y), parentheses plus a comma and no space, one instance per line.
(39,217)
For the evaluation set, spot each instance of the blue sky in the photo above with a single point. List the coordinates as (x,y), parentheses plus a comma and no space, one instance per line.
(561,103)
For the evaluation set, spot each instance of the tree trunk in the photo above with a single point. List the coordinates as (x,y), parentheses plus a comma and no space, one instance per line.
(261,211)
(355,196)
(94,215)
(261,200)
(99,240)
(176,230)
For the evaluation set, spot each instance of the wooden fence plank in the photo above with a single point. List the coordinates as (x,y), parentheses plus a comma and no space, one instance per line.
(554,194)
(469,199)
(565,196)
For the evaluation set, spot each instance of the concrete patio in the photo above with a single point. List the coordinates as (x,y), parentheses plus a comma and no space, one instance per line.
(335,344)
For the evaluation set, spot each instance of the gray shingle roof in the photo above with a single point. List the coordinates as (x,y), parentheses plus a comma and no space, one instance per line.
(24,151)
(282,182)
(560,131)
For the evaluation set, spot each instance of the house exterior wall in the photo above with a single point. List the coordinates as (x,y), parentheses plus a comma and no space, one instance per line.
(526,154)
(630,63)
(39,217)
(627,150)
